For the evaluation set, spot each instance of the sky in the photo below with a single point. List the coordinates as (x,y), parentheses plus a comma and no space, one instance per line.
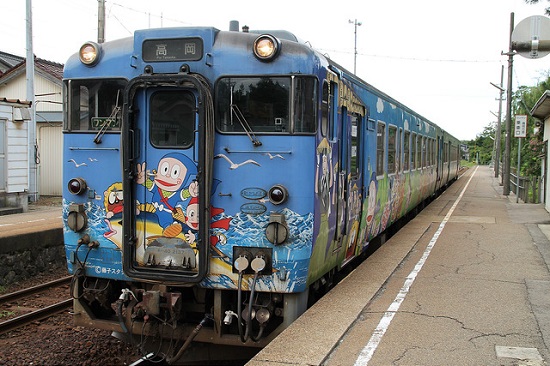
(436,57)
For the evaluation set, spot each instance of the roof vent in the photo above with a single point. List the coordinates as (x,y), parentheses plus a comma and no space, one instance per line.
(234,26)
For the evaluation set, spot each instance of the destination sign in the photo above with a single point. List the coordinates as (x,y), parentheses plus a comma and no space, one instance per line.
(178,49)
(105,122)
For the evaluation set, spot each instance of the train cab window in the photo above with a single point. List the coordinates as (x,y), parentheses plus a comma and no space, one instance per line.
(93,105)
(392,149)
(264,104)
(406,150)
(172,119)
(380,147)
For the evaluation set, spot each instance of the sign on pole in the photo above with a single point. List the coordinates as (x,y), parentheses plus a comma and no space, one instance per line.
(521,126)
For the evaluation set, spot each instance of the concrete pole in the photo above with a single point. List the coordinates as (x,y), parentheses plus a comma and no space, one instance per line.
(32,143)
(355,24)
(498,136)
(506,171)
(100,21)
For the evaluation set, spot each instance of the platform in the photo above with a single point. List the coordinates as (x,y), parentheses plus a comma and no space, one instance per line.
(466,282)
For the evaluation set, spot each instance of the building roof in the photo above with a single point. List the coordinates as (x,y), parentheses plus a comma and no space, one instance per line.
(8,61)
(49,69)
(15,101)
(541,110)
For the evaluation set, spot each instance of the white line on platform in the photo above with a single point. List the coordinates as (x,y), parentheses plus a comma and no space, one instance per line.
(367,352)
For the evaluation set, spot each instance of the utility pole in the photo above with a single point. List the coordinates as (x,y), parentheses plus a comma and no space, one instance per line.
(32,144)
(100,21)
(506,170)
(355,24)
(499,117)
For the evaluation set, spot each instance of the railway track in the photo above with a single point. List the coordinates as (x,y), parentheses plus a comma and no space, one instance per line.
(40,312)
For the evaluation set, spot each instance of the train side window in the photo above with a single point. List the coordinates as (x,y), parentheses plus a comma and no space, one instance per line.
(406,150)
(172,119)
(380,147)
(392,149)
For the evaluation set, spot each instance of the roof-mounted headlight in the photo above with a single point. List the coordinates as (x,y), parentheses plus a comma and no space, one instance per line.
(266,47)
(89,53)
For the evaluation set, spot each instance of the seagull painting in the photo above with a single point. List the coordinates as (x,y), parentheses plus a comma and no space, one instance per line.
(271,157)
(232,165)
(77,164)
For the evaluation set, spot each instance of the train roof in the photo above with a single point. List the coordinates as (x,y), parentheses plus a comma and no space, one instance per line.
(344,73)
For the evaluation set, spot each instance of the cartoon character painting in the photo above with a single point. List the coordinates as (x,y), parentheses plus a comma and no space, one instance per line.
(114,204)
(323,174)
(169,183)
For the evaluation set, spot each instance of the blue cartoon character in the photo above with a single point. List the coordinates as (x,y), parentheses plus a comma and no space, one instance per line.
(169,184)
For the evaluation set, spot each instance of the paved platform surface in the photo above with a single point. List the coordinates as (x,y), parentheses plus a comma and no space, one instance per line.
(466,282)
(37,218)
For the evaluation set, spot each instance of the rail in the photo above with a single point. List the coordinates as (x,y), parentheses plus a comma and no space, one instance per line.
(36,315)
(39,314)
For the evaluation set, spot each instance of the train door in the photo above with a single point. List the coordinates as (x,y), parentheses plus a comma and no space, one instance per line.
(351,180)
(166,189)
(439,163)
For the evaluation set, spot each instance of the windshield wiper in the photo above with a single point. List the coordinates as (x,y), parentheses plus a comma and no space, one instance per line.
(235,111)
(105,126)
(246,127)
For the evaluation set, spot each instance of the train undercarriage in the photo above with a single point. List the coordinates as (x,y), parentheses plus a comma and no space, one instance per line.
(167,321)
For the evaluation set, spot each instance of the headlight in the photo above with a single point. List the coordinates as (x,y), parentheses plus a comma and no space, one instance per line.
(266,47)
(277,194)
(77,186)
(89,53)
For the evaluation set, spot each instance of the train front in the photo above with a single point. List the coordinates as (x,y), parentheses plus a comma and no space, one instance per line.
(189,206)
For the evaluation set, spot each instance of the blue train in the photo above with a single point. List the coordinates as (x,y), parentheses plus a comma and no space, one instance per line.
(216,181)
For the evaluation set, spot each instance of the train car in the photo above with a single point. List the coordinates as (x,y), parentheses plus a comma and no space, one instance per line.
(216,181)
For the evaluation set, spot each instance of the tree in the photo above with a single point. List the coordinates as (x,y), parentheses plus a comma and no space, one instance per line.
(482,147)
(532,148)
(546,11)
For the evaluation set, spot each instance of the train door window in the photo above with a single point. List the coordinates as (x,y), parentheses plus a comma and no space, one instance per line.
(418,155)
(424,151)
(434,152)
(94,104)
(400,147)
(172,119)
(406,150)
(355,144)
(413,151)
(429,152)
(380,147)
(325,109)
(392,149)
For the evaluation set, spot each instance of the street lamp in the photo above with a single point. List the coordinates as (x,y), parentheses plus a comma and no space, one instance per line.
(355,24)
